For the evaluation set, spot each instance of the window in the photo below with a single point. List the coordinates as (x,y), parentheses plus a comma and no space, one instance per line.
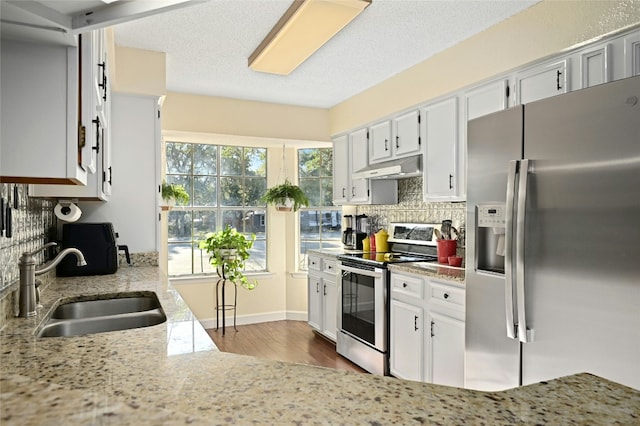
(225,184)
(321,221)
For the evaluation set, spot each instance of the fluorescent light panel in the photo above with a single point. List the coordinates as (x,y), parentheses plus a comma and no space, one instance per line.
(303,29)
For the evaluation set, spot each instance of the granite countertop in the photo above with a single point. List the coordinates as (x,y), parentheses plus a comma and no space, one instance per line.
(431,269)
(172,374)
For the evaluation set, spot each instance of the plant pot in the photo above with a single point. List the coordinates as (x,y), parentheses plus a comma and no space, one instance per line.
(287,206)
(168,204)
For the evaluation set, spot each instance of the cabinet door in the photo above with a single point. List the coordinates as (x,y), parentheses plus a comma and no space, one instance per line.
(341,181)
(405,354)
(330,308)
(406,130)
(380,142)
(446,350)
(485,99)
(632,55)
(358,142)
(441,141)
(542,82)
(595,66)
(39,114)
(314,306)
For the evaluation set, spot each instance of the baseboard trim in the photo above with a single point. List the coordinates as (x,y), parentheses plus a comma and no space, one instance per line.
(256,318)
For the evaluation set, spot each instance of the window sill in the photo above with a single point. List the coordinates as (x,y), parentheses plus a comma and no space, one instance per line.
(208,278)
(298,275)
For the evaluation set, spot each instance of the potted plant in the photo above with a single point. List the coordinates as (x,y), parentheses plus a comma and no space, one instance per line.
(172,193)
(286,196)
(228,249)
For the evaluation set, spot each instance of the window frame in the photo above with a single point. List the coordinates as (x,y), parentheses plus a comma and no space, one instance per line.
(218,209)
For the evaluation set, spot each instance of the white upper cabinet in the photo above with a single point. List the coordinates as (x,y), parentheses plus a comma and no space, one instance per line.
(406,134)
(396,138)
(441,149)
(341,172)
(94,114)
(542,81)
(632,54)
(358,141)
(350,155)
(485,99)
(39,112)
(380,142)
(595,66)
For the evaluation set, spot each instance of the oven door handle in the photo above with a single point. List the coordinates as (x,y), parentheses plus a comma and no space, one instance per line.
(377,273)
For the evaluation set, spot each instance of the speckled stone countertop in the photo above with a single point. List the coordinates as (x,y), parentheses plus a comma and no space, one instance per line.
(171,374)
(431,269)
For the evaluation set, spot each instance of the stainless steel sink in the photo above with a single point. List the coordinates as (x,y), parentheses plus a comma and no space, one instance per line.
(102,313)
(104,307)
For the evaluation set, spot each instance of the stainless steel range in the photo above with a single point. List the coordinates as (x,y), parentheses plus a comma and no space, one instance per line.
(363,289)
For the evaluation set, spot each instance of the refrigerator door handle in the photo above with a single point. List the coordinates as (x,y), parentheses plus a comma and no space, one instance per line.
(512,327)
(525,334)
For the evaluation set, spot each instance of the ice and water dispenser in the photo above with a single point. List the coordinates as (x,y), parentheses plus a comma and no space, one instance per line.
(490,229)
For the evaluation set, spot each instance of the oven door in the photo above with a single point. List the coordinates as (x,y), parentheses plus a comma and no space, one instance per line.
(363,307)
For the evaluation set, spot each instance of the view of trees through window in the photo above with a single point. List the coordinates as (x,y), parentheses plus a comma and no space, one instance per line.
(321,221)
(225,184)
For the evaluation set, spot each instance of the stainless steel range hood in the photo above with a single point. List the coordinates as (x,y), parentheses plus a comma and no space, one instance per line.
(394,169)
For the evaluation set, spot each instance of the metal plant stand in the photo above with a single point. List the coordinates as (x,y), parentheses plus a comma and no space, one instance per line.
(223,307)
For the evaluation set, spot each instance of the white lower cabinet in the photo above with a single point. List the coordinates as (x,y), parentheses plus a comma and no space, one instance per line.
(446,350)
(426,329)
(406,336)
(322,295)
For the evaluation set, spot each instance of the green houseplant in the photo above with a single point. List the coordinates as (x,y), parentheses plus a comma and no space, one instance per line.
(173,193)
(286,196)
(228,249)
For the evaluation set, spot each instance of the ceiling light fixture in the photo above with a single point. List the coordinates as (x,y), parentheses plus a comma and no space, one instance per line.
(303,29)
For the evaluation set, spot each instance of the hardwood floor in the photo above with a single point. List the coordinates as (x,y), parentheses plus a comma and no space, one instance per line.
(292,341)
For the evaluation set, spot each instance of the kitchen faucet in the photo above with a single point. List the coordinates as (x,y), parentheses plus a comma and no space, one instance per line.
(28,273)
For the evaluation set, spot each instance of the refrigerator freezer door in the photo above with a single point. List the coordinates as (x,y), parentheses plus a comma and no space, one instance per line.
(492,360)
(582,238)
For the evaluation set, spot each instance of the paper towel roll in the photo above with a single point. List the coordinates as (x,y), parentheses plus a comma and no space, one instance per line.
(67,212)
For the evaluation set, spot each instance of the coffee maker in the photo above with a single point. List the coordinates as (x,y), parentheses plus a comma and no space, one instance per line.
(347,233)
(353,233)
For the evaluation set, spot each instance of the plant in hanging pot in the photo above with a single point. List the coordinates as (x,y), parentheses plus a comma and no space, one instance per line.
(286,196)
(173,193)
(228,249)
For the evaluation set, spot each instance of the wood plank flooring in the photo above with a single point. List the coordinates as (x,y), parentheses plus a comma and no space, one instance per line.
(291,341)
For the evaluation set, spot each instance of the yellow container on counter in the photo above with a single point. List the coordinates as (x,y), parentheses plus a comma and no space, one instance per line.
(365,244)
(381,241)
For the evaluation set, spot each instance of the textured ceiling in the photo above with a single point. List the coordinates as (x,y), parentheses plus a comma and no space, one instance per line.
(208,44)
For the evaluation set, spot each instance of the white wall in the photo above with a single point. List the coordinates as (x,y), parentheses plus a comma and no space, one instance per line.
(133,207)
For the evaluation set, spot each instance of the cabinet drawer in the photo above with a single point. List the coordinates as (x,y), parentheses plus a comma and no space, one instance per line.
(314,263)
(407,285)
(446,295)
(329,266)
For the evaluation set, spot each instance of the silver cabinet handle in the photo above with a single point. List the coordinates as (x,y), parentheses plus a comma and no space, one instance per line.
(512,331)
(525,334)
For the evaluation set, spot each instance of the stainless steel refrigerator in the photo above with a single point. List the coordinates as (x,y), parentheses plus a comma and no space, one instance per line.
(553,248)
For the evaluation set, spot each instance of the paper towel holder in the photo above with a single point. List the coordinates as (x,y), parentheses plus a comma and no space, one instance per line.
(67,211)
(66,204)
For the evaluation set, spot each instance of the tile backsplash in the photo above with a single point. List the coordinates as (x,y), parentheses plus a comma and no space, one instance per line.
(412,208)
(33,225)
